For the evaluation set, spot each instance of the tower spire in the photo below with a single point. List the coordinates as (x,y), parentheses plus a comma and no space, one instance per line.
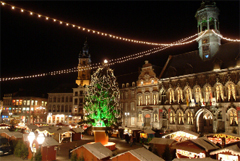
(207,19)
(84,59)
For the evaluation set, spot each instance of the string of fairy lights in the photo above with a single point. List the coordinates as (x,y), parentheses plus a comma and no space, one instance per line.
(92,31)
(162,46)
(97,65)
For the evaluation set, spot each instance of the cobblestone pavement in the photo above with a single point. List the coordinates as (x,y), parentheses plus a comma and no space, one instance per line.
(63,153)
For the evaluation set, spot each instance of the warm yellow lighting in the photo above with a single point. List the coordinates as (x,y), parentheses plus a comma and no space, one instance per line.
(83,29)
(31,13)
(54,20)
(22,10)
(46,18)
(3,3)
(105,61)
(60,22)
(39,16)
(66,24)
(79,27)
(13,7)
(73,25)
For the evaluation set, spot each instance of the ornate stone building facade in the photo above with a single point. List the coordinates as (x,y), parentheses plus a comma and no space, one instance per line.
(198,90)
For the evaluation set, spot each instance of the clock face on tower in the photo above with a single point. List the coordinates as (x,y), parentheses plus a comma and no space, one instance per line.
(204,41)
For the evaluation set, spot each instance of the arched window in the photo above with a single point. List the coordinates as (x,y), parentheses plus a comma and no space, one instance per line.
(171,95)
(180,118)
(219,92)
(190,118)
(172,117)
(198,94)
(154,99)
(231,92)
(233,117)
(208,93)
(179,95)
(147,98)
(139,100)
(188,94)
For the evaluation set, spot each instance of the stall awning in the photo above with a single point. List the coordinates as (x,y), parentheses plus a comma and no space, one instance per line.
(234,150)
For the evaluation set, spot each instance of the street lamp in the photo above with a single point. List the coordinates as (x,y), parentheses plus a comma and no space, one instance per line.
(40,139)
(31,137)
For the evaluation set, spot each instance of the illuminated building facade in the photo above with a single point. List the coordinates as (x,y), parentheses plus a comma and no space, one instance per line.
(20,107)
(197,91)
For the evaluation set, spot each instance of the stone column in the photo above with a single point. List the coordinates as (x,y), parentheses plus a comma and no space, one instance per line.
(208,24)
(215,24)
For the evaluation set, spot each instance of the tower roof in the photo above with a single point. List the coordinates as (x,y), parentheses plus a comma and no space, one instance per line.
(206,3)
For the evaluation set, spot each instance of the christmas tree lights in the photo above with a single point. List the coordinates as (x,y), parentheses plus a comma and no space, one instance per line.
(102,99)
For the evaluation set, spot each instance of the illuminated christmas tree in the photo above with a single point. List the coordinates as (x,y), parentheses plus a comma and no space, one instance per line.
(102,99)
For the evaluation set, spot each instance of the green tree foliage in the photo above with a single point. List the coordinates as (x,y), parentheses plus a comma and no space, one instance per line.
(101,101)
(21,150)
(38,155)
(74,157)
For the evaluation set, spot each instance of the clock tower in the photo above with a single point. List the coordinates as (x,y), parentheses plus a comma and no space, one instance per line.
(207,19)
(84,59)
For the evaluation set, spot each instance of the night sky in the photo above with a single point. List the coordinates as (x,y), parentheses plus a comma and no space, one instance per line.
(31,45)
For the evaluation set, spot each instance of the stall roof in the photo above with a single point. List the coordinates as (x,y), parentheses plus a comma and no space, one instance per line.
(17,135)
(49,141)
(229,134)
(148,131)
(233,149)
(142,154)
(97,149)
(195,145)
(205,143)
(185,131)
(32,127)
(195,159)
(77,130)
(162,141)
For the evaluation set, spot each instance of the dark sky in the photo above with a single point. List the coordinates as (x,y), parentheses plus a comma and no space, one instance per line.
(30,45)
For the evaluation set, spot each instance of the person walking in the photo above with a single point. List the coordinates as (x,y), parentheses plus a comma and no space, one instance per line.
(131,141)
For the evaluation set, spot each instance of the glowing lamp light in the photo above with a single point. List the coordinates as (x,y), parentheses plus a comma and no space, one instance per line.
(31,136)
(40,138)
(105,61)
(13,7)
(3,3)
(31,13)
(22,10)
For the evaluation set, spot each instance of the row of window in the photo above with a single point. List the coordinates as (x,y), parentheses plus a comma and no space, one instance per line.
(60,99)
(125,107)
(58,108)
(19,102)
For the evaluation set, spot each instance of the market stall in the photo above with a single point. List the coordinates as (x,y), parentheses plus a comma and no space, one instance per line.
(77,133)
(195,148)
(4,126)
(223,138)
(230,153)
(146,136)
(182,135)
